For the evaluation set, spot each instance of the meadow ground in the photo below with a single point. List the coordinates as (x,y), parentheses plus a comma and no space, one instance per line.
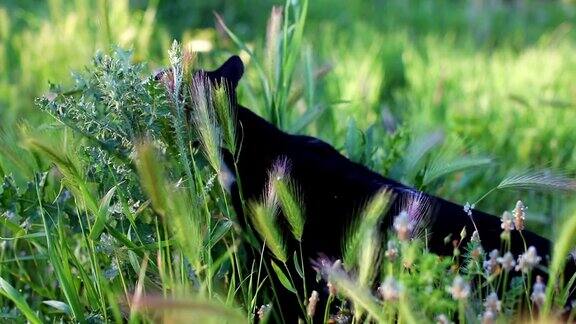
(473,101)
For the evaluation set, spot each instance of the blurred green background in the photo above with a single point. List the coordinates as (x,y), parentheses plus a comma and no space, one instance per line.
(485,77)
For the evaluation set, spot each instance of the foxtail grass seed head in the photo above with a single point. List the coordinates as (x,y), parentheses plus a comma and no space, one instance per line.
(460,289)
(367,260)
(418,206)
(312,302)
(519,215)
(403,226)
(492,303)
(391,252)
(390,289)
(538,295)
(507,261)
(204,120)
(175,58)
(226,117)
(188,58)
(491,265)
(265,222)
(507,222)
(528,260)
(281,186)
(273,34)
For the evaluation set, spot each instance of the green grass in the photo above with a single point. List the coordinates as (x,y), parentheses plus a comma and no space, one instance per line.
(469,100)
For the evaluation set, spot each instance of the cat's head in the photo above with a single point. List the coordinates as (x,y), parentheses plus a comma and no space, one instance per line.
(227,75)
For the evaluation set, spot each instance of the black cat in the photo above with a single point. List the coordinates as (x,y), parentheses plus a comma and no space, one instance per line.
(335,189)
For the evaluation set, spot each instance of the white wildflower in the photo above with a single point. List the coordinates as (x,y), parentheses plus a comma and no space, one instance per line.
(488,317)
(507,261)
(507,222)
(460,289)
(391,251)
(390,289)
(468,207)
(403,226)
(538,295)
(491,264)
(492,303)
(263,311)
(528,260)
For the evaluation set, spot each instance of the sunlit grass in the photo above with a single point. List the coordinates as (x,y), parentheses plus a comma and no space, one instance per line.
(109,212)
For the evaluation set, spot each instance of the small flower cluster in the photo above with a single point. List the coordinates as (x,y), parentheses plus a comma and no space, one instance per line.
(507,222)
(528,260)
(491,265)
(403,226)
(492,307)
(263,311)
(519,215)
(538,295)
(390,289)
(468,207)
(460,289)
(391,252)
(515,220)
(507,261)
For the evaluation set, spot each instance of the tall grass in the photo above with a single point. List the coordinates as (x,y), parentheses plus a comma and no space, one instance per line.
(109,213)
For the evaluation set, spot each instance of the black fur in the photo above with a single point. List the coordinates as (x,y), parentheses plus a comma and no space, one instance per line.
(335,189)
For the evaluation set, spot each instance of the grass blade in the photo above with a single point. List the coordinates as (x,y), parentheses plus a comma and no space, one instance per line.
(9,292)
(102,215)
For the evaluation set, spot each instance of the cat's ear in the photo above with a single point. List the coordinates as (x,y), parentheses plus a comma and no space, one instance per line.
(230,72)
